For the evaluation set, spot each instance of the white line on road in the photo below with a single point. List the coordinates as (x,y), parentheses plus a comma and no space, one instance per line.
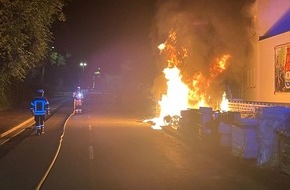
(90,127)
(91,152)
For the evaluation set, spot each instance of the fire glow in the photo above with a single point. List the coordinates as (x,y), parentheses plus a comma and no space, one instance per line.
(182,93)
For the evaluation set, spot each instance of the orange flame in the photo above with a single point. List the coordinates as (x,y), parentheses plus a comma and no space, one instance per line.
(173,57)
(183,93)
(225,103)
(219,66)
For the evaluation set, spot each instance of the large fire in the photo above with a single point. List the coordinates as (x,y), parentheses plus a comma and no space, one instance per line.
(191,92)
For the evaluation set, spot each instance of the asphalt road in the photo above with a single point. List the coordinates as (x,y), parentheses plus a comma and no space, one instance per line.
(26,157)
(106,148)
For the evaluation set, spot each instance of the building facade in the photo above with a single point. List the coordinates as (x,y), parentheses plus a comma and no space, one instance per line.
(267,77)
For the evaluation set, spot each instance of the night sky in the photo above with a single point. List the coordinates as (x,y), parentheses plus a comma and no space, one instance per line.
(120,35)
(106,33)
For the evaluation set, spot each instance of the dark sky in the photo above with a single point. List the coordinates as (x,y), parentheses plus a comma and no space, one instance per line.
(106,33)
(114,34)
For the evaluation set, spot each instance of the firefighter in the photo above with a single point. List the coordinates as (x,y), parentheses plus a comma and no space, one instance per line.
(78,100)
(39,107)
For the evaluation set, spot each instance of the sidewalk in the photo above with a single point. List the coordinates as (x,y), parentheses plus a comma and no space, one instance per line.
(13,118)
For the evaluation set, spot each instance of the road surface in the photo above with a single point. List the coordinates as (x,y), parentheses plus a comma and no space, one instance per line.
(104,148)
(107,148)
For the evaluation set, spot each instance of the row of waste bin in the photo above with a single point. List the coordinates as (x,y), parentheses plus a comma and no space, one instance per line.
(265,137)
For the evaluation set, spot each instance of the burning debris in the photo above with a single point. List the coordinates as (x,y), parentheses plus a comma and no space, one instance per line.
(208,45)
(182,93)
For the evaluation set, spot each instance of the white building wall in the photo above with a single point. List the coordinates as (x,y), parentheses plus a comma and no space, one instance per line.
(266,65)
(259,76)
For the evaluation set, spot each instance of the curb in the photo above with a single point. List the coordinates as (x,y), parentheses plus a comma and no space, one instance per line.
(29,121)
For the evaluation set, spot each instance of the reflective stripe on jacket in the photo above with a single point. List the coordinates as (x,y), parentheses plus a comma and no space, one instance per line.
(39,106)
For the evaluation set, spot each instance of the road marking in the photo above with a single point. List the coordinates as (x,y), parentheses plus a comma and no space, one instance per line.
(91,152)
(90,127)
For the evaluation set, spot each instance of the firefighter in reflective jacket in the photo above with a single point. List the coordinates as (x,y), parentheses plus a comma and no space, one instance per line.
(39,107)
(78,100)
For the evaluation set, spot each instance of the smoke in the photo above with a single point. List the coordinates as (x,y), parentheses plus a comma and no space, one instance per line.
(208,29)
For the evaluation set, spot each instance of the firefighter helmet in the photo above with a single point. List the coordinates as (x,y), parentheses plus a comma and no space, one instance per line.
(40,91)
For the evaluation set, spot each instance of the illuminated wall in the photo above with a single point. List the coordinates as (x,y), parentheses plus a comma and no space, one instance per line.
(264,80)
(272,55)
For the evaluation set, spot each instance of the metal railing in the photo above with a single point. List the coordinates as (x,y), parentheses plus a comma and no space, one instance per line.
(251,107)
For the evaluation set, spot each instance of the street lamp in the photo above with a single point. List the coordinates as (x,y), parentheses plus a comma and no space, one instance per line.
(83,65)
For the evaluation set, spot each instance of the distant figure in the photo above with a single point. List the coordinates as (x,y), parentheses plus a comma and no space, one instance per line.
(78,100)
(39,107)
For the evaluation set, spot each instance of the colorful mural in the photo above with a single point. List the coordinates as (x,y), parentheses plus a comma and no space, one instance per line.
(282,68)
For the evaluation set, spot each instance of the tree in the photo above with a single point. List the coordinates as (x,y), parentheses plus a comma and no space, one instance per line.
(25,36)
(55,59)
